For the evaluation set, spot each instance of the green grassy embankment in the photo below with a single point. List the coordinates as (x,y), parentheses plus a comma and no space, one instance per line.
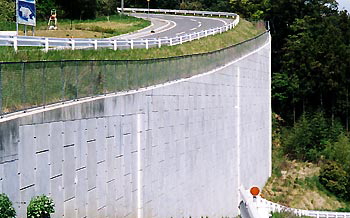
(243,31)
(98,28)
(34,84)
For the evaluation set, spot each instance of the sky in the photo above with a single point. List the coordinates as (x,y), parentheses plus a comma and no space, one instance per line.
(344,4)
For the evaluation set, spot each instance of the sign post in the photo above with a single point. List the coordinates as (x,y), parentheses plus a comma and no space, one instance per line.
(25,14)
(148,8)
(16,17)
(122,6)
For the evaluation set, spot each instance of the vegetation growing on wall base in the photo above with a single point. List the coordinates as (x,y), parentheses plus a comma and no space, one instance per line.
(40,207)
(6,208)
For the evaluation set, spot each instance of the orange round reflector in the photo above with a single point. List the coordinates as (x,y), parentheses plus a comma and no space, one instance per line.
(254,191)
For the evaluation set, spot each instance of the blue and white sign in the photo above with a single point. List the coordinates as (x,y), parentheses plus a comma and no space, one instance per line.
(26,13)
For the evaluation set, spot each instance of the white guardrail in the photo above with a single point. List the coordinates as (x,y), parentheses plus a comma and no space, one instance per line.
(262,208)
(74,43)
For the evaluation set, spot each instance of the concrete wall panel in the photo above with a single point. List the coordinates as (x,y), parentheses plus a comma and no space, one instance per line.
(69,208)
(81,151)
(69,172)
(57,193)
(81,187)
(91,165)
(27,151)
(11,182)
(92,209)
(25,197)
(101,135)
(42,173)
(42,132)
(101,185)
(176,150)
(56,148)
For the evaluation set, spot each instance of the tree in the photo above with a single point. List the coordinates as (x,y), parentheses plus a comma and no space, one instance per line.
(305,48)
(340,152)
(195,5)
(44,7)
(254,9)
(7,10)
(79,9)
(335,179)
(308,138)
(106,7)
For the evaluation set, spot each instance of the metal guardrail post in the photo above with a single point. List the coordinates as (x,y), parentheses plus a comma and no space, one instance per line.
(92,91)
(153,72)
(46,44)
(15,43)
(116,76)
(168,70)
(76,80)
(131,44)
(104,79)
(127,74)
(44,82)
(62,80)
(114,45)
(137,71)
(95,44)
(148,67)
(73,44)
(23,83)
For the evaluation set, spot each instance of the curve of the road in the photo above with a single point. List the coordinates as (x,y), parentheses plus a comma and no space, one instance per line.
(165,25)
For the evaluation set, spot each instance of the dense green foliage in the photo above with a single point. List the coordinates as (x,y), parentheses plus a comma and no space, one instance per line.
(77,9)
(6,208)
(308,139)
(7,10)
(66,9)
(334,178)
(40,206)
(316,138)
(315,62)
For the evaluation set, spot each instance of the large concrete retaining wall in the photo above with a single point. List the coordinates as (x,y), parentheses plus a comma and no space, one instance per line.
(175,150)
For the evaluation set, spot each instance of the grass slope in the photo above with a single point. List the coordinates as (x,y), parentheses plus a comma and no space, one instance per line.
(295,184)
(243,31)
(99,28)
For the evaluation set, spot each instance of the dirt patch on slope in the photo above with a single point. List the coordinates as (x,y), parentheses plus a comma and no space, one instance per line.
(298,187)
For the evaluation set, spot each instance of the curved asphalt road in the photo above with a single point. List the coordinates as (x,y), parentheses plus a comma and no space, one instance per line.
(165,25)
